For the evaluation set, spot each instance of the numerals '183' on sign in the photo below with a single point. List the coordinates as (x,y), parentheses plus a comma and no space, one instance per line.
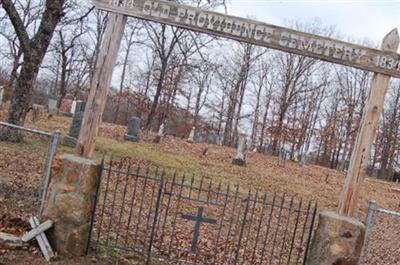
(389,63)
(122,3)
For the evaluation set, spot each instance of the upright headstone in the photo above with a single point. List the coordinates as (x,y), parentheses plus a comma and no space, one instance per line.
(80,106)
(75,128)
(240,158)
(36,113)
(133,130)
(191,135)
(76,125)
(1,95)
(213,137)
(160,134)
(52,104)
(73,107)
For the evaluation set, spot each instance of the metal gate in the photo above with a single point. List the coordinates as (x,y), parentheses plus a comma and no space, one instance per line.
(36,137)
(196,221)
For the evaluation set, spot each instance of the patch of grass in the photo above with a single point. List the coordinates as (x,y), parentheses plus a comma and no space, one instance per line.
(144,151)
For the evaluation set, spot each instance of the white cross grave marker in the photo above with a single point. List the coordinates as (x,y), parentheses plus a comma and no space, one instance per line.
(38,233)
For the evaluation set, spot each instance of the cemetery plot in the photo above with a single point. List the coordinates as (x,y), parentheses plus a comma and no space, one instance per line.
(196,221)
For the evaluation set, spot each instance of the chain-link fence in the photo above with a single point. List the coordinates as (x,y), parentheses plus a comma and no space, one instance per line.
(25,167)
(382,242)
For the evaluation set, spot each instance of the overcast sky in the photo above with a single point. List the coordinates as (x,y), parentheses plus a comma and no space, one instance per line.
(357,19)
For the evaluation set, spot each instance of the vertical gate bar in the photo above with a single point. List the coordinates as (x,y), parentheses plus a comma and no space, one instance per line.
(209,191)
(232,217)
(141,205)
(310,233)
(104,202)
(92,219)
(54,142)
(304,230)
(268,229)
(151,206)
(221,220)
(295,231)
(286,229)
(191,187)
(218,191)
(176,214)
(277,228)
(259,227)
(132,204)
(113,202)
(248,200)
(128,174)
(251,220)
(153,229)
(167,210)
(200,188)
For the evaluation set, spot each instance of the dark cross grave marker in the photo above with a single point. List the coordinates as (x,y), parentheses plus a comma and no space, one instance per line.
(199,219)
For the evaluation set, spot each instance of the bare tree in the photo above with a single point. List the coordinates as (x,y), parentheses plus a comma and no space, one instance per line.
(34,49)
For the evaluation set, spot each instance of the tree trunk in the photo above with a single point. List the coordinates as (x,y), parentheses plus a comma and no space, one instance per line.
(21,98)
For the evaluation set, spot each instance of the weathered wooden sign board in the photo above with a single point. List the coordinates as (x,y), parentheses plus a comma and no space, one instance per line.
(257,33)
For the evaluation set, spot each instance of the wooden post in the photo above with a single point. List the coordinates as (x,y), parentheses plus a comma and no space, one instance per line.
(366,135)
(100,84)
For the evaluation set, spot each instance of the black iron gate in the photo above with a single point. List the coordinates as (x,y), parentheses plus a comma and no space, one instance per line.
(187,221)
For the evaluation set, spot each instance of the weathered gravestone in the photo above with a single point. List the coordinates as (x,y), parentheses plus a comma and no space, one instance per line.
(240,158)
(73,107)
(133,130)
(79,106)
(213,138)
(1,95)
(52,104)
(160,134)
(36,112)
(191,135)
(76,125)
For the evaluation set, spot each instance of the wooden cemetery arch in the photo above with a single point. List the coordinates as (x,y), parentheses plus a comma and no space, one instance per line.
(384,62)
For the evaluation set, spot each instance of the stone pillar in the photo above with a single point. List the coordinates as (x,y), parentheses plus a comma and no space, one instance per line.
(133,130)
(70,203)
(240,158)
(191,135)
(338,240)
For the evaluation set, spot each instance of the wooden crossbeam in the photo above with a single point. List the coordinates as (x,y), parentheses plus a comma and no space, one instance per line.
(258,33)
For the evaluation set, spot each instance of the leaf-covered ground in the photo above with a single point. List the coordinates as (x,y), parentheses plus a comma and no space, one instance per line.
(21,169)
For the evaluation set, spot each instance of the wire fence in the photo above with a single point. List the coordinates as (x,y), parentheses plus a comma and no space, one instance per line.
(382,244)
(43,150)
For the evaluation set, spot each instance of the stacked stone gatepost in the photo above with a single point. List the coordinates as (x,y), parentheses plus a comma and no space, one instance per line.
(338,240)
(70,203)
